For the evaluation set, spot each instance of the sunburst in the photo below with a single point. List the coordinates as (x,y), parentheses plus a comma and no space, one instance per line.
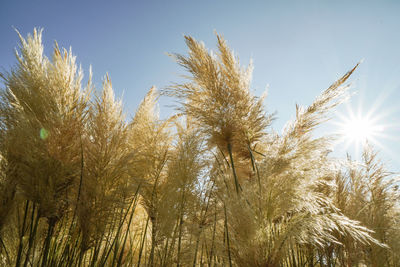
(355,129)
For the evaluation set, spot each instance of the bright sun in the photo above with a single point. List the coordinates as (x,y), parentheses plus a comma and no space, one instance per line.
(356,129)
(360,130)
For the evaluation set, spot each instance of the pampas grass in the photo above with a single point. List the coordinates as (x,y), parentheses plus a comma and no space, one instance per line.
(81,185)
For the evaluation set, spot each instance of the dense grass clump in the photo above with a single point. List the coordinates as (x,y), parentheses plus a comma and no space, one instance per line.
(212,185)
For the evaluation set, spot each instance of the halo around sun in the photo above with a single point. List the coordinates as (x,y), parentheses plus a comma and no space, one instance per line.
(360,129)
(355,130)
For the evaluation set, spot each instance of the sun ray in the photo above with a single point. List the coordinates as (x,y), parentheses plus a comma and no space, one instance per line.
(355,128)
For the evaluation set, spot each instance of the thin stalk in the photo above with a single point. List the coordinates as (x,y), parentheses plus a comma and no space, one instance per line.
(233,168)
(17,262)
(153,213)
(127,228)
(71,254)
(171,248)
(213,236)
(180,228)
(79,194)
(116,247)
(5,249)
(202,253)
(203,217)
(81,253)
(61,239)
(223,176)
(32,233)
(164,256)
(50,230)
(153,239)
(227,237)
(197,247)
(117,234)
(108,240)
(255,168)
(95,255)
(81,175)
(144,238)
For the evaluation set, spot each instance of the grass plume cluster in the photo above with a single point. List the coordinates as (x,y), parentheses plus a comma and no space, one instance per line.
(213,185)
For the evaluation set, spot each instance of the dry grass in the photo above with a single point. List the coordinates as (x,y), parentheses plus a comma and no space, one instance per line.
(211,186)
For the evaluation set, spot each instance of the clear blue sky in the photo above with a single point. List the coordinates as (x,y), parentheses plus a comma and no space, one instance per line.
(299,48)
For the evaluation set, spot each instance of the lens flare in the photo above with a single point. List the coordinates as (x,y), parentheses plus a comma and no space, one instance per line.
(43,134)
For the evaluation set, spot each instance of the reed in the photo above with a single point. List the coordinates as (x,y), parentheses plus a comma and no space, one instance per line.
(213,185)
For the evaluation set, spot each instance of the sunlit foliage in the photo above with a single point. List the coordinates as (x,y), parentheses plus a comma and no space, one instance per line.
(213,185)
